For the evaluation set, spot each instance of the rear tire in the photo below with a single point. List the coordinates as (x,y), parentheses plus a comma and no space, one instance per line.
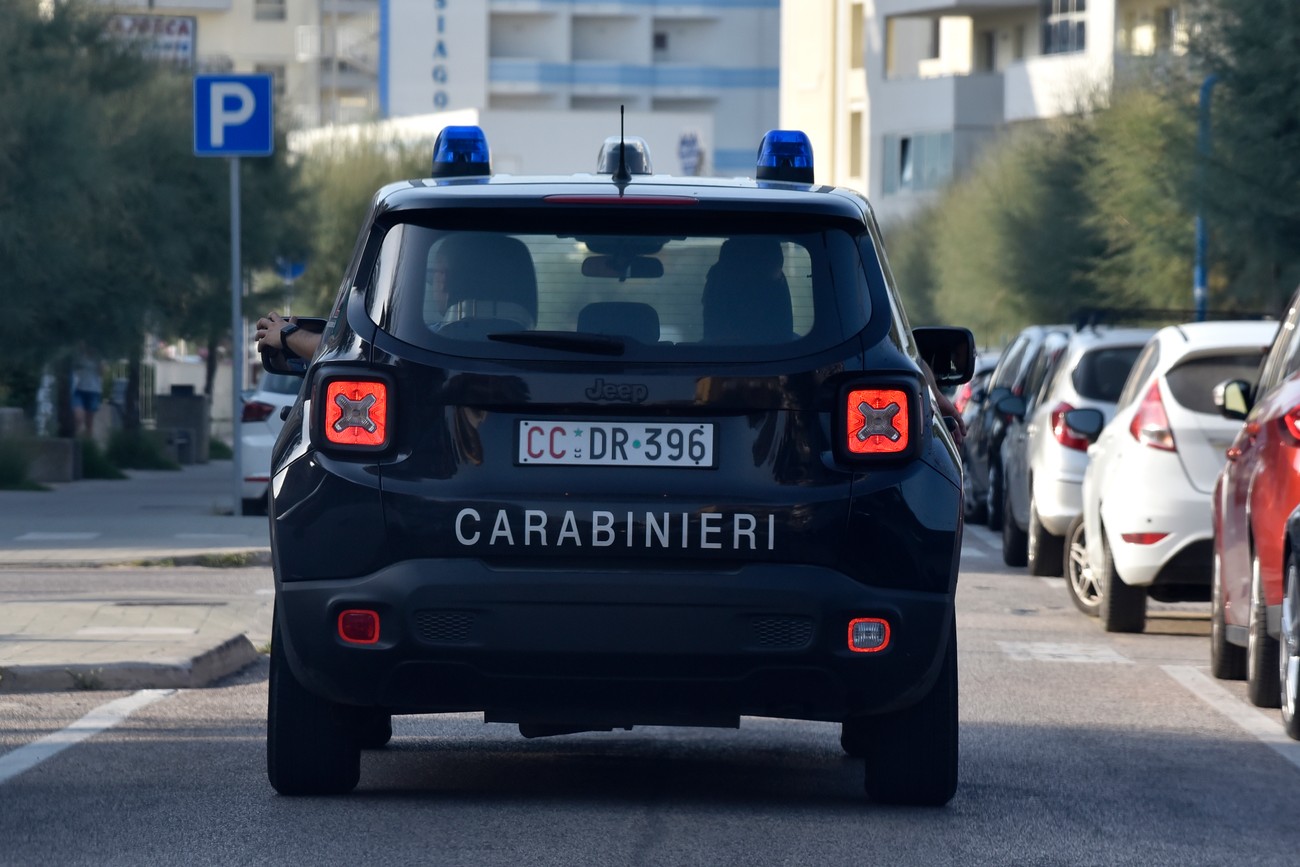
(1085,592)
(1227,660)
(1122,608)
(311,744)
(374,729)
(1046,552)
(993,497)
(1262,687)
(911,754)
(1015,543)
(973,508)
(1289,651)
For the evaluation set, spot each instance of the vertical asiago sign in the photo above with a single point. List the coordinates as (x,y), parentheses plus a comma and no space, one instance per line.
(435,56)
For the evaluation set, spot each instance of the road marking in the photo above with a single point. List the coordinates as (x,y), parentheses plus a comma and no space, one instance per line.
(100,719)
(1255,722)
(1051,651)
(55,537)
(1054,583)
(974,554)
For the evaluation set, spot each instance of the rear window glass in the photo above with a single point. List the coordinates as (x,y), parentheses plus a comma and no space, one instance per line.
(481,292)
(1192,382)
(279,383)
(1101,372)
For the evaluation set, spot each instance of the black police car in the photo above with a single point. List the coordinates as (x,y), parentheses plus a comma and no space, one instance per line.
(594,451)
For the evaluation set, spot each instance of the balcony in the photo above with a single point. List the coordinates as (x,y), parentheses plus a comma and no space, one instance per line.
(907,105)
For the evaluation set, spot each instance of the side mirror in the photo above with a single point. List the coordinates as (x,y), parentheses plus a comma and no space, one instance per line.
(1087,423)
(1012,404)
(949,351)
(1232,397)
(623,267)
(274,361)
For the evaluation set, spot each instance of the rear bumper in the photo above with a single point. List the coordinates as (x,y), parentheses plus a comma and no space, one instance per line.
(614,647)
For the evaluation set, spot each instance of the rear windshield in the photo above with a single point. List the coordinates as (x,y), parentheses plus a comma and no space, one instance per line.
(699,295)
(1101,372)
(1192,382)
(279,383)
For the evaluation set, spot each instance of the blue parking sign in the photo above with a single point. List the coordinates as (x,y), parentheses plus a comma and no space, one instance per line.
(233,116)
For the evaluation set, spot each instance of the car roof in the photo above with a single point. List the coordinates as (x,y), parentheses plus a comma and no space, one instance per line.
(1192,337)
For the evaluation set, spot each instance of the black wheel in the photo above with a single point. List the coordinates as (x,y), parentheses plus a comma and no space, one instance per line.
(972,506)
(993,497)
(1289,650)
(1262,687)
(1079,579)
(1227,660)
(311,744)
(1046,553)
(1015,543)
(374,729)
(1121,608)
(911,755)
(854,735)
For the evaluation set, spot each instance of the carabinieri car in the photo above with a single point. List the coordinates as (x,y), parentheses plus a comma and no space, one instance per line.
(613,449)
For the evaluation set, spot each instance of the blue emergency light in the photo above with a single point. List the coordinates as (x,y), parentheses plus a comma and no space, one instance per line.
(785,155)
(460,152)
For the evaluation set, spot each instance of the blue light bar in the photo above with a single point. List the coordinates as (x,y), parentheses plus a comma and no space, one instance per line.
(461,151)
(785,155)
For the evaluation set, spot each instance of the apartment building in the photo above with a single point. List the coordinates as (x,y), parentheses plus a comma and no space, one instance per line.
(908,92)
(356,61)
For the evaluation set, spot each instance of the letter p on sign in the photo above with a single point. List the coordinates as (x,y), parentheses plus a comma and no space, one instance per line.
(233,116)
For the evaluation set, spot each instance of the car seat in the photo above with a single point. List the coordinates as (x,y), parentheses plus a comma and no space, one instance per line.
(746,298)
(621,318)
(490,279)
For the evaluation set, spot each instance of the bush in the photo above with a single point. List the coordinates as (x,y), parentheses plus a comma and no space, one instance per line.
(14,460)
(139,450)
(219,451)
(95,463)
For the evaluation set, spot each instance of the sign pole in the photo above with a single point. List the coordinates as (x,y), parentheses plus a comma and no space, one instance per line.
(236,339)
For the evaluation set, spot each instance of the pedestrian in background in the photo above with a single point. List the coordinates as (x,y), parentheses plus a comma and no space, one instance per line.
(87,390)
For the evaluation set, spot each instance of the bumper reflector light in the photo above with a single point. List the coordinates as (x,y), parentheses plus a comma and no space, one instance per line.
(1142,538)
(868,634)
(357,626)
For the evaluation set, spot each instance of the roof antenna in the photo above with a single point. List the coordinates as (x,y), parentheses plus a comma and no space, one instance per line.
(622,176)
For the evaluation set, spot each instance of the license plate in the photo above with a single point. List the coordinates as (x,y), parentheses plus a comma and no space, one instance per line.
(621,444)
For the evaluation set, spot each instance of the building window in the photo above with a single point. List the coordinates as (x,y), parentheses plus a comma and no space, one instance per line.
(986,51)
(1166,27)
(1064,27)
(917,163)
(661,41)
(268,10)
(276,71)
(933,52)
(855,144)
(857,36)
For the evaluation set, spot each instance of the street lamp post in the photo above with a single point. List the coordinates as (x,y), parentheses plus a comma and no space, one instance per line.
(1200,294)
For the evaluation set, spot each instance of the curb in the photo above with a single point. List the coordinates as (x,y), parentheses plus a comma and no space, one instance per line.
(227,657)
(211,559)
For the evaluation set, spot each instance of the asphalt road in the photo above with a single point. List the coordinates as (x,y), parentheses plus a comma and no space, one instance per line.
(1077,748)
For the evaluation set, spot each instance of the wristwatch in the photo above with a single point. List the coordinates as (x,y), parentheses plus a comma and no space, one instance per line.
(285,348)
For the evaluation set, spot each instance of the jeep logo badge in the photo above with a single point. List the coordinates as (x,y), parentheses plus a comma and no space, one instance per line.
(627,392)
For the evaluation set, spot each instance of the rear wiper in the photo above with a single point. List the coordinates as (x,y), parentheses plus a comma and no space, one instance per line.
(573,341)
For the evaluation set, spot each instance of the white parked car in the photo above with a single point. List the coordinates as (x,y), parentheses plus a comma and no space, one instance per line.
(259,425)
(1152,468)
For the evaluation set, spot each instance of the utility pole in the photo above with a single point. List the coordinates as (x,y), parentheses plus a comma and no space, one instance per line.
(1200,293)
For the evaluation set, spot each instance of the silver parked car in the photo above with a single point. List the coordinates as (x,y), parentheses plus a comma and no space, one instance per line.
(1044,460)
(259,425)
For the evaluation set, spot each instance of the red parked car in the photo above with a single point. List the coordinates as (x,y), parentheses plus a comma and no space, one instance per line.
(1256,492)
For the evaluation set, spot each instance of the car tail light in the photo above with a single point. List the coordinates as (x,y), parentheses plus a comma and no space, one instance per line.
(1291,424)
(1062,432)
(359,626)
(868,634)
(356,413)
(1142,538)
(256,410)
(1150,425)
(962,398)
(878,421)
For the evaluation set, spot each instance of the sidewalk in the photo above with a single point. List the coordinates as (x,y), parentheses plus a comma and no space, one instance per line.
(127,638)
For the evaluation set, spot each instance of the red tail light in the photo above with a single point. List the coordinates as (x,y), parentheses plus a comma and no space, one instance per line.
(1150,425)
(1291,424)
(356,413)
(256,410)
(1142,538)
(962,398)
(1062,432)
(878,421)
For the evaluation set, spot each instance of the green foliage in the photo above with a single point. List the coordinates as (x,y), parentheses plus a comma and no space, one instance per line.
(95,464)
(139,450)
(219,451)
(14,463)
(909,248)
